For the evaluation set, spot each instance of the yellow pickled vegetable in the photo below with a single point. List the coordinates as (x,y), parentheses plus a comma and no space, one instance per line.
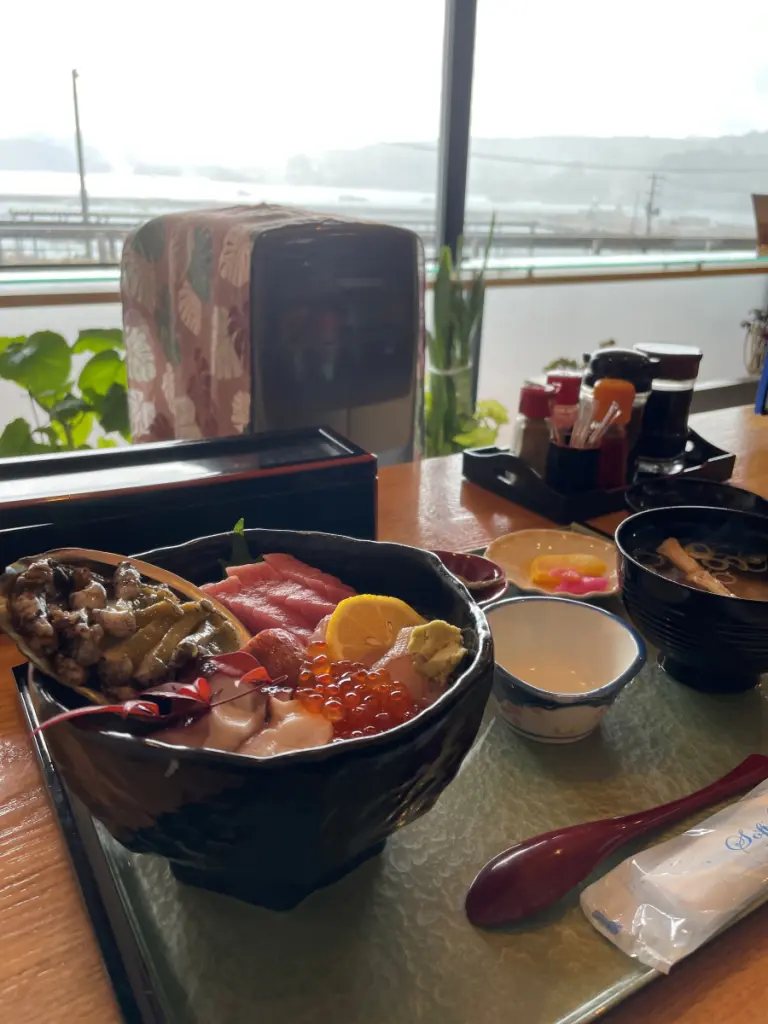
(542,567)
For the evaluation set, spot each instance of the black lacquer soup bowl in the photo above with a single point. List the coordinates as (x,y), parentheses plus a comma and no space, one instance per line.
(714,643)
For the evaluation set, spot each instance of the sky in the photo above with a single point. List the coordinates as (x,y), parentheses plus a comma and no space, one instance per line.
(251,82)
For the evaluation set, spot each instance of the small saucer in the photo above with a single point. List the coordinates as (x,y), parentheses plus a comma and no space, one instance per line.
(484,579)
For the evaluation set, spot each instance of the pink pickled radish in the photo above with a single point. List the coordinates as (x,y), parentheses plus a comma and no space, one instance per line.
(572,582)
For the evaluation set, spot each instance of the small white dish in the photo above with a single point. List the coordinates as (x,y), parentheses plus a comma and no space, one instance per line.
(515,552)
(560,664)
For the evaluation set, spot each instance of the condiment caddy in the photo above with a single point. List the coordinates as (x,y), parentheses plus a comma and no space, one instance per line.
(498,470)
(581,440)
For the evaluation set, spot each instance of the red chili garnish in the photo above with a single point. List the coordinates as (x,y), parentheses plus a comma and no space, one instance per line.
(137,708)
(237,663)
(256,675)
(172,701)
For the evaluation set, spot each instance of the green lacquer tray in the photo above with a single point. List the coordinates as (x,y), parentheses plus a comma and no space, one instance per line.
(389,944)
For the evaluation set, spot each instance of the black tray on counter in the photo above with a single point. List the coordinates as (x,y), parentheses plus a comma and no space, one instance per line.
(498,470)
(137,497)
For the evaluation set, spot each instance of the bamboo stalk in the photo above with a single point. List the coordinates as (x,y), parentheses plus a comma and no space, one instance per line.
(694,573)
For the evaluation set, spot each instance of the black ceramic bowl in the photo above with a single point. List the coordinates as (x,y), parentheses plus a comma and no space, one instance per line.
(271,830)
(664,492)
(712,643)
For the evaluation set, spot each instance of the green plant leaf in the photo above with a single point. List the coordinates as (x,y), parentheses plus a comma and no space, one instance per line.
(490,409)
(112,410)
(47,399)
(101,372)
(106,442)
(17,439)
(5,342)
(49,432)
(60,434)
(443,309)
(489,243)
(476,299)
(81,429)
(480,437)
(562,364)
(41,362)
(99,339)
(240,554)
(68,408)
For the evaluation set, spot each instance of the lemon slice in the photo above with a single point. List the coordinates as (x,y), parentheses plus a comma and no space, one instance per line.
(364,627)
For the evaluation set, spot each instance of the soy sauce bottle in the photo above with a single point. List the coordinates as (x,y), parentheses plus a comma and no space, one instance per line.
(664,433)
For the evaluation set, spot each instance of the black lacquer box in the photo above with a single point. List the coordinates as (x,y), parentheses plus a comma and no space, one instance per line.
(134,498)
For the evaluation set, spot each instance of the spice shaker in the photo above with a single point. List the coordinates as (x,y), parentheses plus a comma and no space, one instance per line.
(531,434)
(664,432)
(566,405)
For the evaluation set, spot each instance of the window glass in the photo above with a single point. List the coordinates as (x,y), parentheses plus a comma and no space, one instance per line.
(331,106)
(597,125)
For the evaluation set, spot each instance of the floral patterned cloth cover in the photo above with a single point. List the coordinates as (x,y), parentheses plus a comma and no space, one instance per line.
(185,284)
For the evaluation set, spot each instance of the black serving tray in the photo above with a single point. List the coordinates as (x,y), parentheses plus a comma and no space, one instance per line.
(498,470)
(120,950)
(148,495)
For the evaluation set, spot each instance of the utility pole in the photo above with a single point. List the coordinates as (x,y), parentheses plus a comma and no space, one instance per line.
(79,151)
(651,210)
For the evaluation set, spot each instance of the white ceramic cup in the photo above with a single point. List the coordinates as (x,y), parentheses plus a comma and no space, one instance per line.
(560,665)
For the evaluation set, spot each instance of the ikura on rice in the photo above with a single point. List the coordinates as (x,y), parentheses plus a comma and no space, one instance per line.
(340,665)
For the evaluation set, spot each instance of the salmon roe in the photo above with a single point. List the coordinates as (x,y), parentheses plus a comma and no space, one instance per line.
(357,700)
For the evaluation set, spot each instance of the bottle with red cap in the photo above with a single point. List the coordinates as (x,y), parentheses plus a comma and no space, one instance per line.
(565,408)
(532,430)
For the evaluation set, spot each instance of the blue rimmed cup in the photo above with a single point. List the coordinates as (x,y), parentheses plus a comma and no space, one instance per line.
(560,664)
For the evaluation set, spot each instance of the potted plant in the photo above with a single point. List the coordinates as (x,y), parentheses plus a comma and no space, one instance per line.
(452,422)
(65,411)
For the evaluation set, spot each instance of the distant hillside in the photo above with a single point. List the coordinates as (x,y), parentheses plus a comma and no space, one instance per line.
(719,174)
(41,154)
(702,179)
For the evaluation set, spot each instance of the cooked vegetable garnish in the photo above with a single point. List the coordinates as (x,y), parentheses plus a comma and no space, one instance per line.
(103,629)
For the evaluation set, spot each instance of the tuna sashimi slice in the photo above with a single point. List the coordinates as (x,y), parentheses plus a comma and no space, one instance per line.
(257,613)
(321,582)
(296,597)
(231,585)
(256,572)
(310,610)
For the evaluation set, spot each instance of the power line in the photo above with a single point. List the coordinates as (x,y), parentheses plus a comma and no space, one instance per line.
(578,165)
(651,209)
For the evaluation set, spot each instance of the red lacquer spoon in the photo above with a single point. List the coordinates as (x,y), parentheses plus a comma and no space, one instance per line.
(533,875)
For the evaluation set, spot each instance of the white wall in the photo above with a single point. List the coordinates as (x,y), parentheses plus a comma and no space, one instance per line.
(525,328)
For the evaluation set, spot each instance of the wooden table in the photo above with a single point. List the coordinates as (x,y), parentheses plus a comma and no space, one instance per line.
(50,968)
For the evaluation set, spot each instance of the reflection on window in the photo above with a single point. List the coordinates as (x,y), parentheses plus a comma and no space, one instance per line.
(316,105)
